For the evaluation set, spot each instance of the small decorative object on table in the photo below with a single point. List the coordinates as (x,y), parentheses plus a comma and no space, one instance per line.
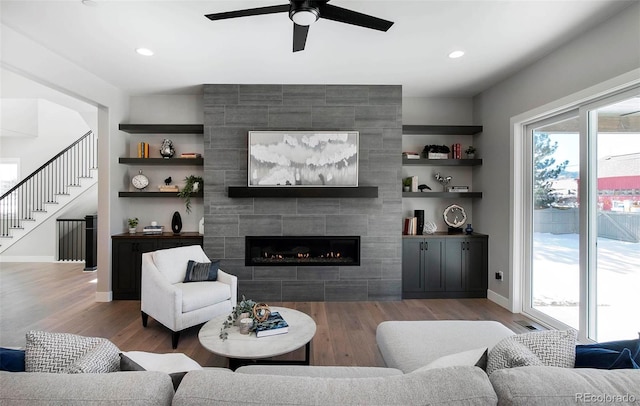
(430,227)
(470,151)
(166,149)
(176,223)
(469,229)
(133,223)
(244,309)
(245,325)
(444,181)
(436,151)
(140,181)
(454,217)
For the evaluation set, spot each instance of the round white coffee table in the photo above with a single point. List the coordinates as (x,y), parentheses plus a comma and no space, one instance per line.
(242,349)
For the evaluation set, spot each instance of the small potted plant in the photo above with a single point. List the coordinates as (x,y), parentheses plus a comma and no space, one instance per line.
(192,185)
(133,223)
(244,309)
(470,151)
(406,184)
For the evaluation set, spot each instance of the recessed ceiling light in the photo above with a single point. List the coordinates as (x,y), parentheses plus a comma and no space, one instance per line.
(144,51)
(456,54)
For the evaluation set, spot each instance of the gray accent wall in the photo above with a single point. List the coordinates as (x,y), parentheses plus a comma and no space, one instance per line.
(230,112)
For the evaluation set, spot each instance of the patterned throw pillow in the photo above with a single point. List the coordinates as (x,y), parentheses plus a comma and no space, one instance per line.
(550,348)
(69,353)
(201,271)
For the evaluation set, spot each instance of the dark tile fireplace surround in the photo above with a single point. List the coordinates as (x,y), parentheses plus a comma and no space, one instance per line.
(230,111)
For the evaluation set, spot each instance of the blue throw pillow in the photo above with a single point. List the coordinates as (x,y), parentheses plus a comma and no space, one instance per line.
(11,360)
(624,354)
(200,272)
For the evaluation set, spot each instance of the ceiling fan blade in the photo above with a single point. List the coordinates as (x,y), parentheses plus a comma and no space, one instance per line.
(299,36)
(353,17)
(249,12)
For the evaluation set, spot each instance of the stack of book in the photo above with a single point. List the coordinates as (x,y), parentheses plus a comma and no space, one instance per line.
(190,155)
(410,226)
(275,324)
(143,150)
(153,230)
(458,189)
(169,188)
(411,155)
(456,151)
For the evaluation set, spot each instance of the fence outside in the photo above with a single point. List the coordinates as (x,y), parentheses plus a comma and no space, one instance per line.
(622,226)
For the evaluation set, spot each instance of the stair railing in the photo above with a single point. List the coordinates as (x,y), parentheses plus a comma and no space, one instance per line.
(48,182)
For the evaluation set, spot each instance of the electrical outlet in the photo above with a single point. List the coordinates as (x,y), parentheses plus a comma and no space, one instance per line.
(499,275)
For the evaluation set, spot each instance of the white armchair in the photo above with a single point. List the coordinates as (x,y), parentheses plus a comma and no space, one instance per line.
(179,305)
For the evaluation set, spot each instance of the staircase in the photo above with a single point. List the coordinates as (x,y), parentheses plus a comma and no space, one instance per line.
(48,189)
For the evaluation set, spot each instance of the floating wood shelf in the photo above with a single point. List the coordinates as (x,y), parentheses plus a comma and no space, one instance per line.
(441,129)
(297,191)
(441,195)
(162,161)
(155,194)
(162,128)
(442,162)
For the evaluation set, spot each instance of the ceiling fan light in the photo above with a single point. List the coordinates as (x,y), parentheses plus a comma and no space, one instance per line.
(305,16)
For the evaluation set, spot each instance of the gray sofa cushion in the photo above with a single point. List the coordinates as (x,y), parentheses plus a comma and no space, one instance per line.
(542,385)
(438,386)
(116,388)
(409,345)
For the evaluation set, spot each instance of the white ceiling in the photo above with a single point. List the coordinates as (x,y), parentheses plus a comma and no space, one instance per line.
(499,38)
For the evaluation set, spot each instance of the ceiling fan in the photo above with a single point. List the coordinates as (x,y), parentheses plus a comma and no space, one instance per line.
(303,13)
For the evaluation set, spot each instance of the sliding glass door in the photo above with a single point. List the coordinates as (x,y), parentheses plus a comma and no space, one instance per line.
(583,221)
(615,278)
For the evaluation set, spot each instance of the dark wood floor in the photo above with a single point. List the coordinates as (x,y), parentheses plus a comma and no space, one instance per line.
(61,298)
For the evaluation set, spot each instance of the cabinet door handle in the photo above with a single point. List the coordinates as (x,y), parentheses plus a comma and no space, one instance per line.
(426,246)
(421,246)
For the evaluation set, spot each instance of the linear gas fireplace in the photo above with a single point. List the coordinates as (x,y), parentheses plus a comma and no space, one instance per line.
(302,250)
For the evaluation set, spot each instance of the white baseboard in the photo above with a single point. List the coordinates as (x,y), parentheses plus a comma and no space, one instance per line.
(44,258)
(104,296)
(498,299)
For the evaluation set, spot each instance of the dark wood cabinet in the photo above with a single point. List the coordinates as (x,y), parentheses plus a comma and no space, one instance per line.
(444,266)
(422,266)
(126,261)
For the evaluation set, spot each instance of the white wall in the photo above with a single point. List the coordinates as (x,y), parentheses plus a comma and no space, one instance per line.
(603,52)
(55,127)
(30,59)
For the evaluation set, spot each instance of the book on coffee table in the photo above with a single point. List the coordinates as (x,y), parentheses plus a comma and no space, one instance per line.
(275,324)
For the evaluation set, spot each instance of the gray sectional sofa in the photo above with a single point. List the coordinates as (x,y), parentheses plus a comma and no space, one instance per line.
(428,362)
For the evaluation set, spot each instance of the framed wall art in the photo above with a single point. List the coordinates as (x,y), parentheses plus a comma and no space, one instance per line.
(303,158)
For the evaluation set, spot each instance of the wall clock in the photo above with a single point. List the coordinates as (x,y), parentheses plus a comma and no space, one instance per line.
(140,181)
(454,217)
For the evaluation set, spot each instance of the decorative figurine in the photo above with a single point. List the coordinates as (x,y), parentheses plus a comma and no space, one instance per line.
(166,149)
(444,181)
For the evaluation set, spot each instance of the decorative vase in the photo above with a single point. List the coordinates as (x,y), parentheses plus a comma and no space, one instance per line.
(201,227)
(406,188)
(471,156)
(469,229)
(176,223)
(132,230)
(196,187)
(166,149)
